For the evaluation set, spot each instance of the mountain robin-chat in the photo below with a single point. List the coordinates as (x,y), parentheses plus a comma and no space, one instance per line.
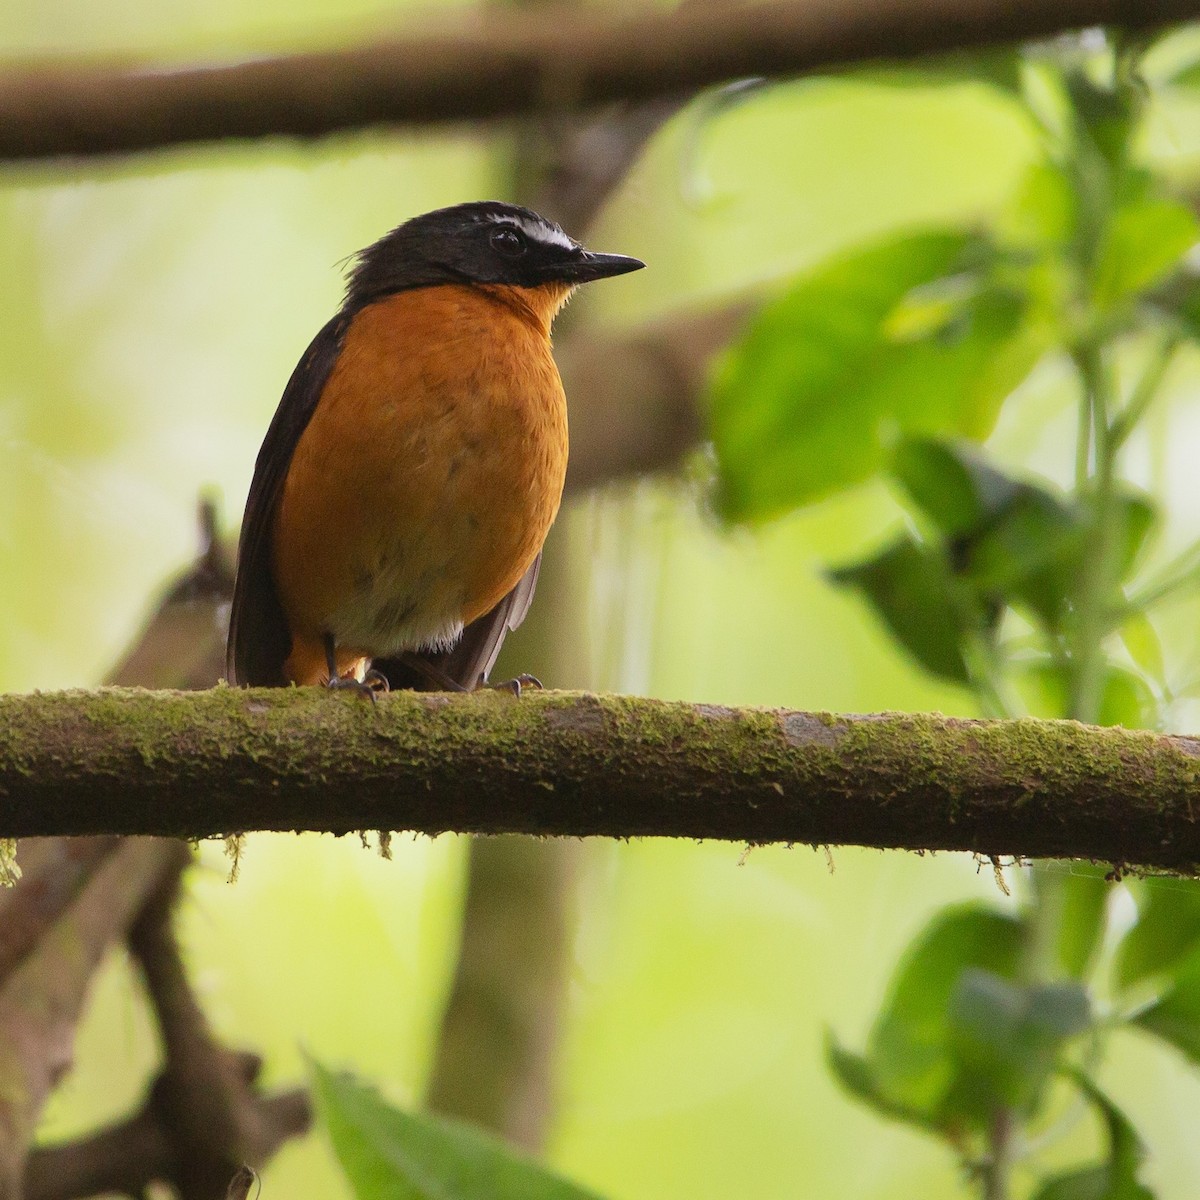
(416,461)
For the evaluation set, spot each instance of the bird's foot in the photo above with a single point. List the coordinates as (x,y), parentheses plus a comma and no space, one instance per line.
(517,685)
(372,684)
(377,681)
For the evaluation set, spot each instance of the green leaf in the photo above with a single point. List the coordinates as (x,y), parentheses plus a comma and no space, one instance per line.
(1143,644)
(1175,1015)
(782,381)
(999,67)
(952,484)
(1145,241)
(1182,298)
(1187,76)
(1170,58)
(388,1154)
(1007,1037)
(1044,687)
(1011,541)
(1105,115)
(1080,899)
(1088,1183)
(806,403)
(1027,552)
(1137,517)
(858,1077)
(1044,210)
(953,379)
(959,1037)
(910,1046)
(911,588)
(1126,699)
(1113,1179)
(1167,929)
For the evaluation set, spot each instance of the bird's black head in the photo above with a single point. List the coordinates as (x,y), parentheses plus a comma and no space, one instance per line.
(482,242)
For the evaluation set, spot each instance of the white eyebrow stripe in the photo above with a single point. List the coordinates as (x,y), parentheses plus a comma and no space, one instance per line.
(542,232)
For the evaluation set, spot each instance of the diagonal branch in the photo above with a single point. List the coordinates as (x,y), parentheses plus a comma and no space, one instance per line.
(55,872)
(203,1114)
(44,992)
(554,60)
(196,765)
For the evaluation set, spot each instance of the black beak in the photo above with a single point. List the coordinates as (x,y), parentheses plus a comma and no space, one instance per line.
(589,266)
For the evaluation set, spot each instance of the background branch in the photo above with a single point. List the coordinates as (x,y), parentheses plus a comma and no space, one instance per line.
(204,1098)
(43,994)
(203,1115)
(494,1063)
(633,403)
(636,397)
(513,65)
(201,764)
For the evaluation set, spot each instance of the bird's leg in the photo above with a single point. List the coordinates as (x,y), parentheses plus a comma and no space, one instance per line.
(373,682)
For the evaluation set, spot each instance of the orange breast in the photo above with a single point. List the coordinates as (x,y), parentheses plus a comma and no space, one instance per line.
(428,476)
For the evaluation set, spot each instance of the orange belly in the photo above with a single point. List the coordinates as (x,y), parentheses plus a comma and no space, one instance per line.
(427,479)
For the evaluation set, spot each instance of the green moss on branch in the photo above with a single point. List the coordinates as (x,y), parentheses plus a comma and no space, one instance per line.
(202,764)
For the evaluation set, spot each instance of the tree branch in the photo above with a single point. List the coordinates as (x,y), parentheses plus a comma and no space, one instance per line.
(636,397)
(54,872)
(43,994)
(130,1156)
(182,644)
(493,1063)
(203,1114)
(514,65)
(204,1098)
(203,764)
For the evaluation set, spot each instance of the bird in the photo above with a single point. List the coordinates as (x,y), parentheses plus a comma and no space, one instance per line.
(406,484)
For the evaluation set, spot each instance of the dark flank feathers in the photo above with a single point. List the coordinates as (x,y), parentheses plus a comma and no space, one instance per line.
(259,641)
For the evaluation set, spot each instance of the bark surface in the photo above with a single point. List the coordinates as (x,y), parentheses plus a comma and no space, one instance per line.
(121,761)
(552,61)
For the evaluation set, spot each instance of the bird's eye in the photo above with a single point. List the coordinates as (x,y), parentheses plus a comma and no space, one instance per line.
(508,242)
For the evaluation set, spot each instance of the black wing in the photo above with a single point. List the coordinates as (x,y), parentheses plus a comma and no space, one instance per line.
(470,661)
(259,641)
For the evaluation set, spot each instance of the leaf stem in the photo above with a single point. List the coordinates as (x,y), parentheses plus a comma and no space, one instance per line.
(996,1169)
(1098,485)
(986,671)
(1083,434)
(1184,571)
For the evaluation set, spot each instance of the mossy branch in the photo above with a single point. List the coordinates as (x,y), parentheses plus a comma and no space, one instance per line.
(200,764)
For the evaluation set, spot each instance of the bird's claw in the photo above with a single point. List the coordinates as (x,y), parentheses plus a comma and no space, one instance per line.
(377,681)
(370,686)
(517,685)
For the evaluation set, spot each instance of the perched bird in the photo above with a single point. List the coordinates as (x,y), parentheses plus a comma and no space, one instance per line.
(416,461)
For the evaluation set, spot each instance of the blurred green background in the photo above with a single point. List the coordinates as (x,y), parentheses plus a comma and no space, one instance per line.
(152,313)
